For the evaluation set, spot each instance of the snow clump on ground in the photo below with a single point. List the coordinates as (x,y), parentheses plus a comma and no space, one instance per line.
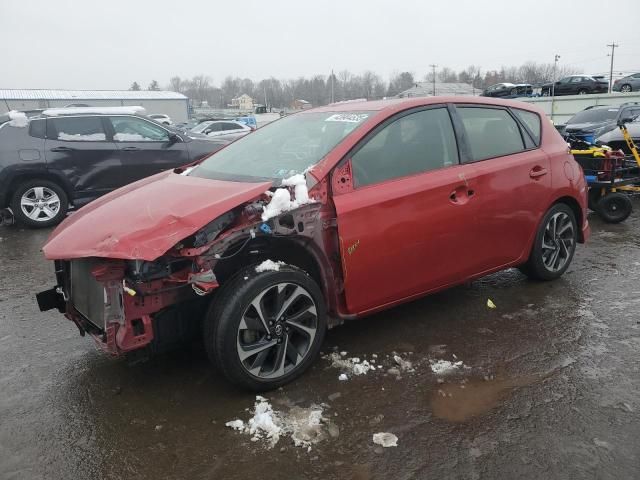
(445,367)
(305,426)
(385,439)
(351,365)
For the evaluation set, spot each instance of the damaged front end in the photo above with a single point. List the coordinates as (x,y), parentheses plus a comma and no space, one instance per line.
(135,304)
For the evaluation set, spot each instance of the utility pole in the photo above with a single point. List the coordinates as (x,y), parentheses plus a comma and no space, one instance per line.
(553,83)
(332,81)
(433,66)
(613,46)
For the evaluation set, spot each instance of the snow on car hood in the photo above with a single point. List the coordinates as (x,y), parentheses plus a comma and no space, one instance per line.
(146,218)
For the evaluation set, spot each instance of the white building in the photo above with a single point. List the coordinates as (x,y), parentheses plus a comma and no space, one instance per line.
(173,104)
(243,102)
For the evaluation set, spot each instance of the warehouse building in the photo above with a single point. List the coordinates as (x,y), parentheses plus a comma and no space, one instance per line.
(173,104)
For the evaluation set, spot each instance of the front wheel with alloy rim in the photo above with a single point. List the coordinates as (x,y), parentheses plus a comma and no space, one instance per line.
(554,245)
(265,328)
(625,88)
(39,203)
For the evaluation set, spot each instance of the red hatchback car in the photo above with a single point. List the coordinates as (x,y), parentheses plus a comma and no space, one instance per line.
(326,215)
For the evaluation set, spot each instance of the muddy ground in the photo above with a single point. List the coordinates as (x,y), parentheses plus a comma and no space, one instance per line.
(551,388)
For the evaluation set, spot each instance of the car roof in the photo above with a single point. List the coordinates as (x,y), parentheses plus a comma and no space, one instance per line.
(397,104)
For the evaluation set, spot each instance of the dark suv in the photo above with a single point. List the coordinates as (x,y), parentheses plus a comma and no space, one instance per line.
(59,160)
(576,85)
(592,122)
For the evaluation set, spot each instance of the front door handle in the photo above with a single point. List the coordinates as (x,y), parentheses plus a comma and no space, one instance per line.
(461,195)
(537,172)
(62,149)
(130,149)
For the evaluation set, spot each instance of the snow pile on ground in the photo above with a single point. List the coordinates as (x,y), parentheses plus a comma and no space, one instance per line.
(405,365)
(269,265)
(445,367)
(18,119)
(78,137)
(385,439)
(304,425)
(281,199)
(351,365)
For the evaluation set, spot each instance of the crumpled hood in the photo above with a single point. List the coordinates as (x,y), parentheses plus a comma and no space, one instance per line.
(146,218)
(590,126)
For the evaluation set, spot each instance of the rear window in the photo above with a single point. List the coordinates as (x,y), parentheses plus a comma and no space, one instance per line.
(594,115)
(532,121)
(491,132)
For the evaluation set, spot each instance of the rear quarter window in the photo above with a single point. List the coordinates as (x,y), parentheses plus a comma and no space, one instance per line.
(532,121)
(37,128)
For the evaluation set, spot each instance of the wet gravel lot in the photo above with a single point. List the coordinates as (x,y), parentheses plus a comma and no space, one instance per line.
(550,387)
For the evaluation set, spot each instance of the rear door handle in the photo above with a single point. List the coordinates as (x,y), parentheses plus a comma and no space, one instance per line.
(461,195)
(130,149)
(62,149)
(537,171)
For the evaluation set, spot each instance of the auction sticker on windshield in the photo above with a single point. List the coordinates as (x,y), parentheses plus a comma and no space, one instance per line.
(347,117)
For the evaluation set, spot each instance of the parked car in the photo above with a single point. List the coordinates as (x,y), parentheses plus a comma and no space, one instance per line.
(576,85)
(161,118)
(57,160)
(508,90)
(615,140)
(323,216)
(592,122)
(213,128)
(630,83)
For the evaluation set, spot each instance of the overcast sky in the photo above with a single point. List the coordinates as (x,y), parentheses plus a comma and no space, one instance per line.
(93,44)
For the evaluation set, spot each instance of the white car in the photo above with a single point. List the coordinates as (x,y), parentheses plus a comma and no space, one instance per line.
(161,118)
(215,128)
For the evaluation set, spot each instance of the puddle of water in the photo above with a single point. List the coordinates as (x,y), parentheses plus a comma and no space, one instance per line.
(458,402)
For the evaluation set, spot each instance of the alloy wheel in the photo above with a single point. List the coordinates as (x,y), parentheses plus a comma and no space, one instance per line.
(625,88)
(558,242)
(40,204)
(277,330)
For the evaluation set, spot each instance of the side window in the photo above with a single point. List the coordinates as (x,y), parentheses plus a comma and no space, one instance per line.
(418,142)
(230,126)
(131,129)
(214,127)
(491,132)
(37,128)
(576,79)
(532,121)
(76,129)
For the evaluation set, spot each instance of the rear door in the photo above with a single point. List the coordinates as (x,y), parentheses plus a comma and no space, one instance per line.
(80,149)
(512,181)
(145,148)
(404,228)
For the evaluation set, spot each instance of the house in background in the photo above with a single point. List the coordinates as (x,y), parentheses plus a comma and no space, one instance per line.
(243,102)
(299,104)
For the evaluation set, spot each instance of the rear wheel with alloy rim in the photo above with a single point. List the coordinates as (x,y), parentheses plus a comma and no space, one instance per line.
(554,245)
(625,88)
(265,328)
(39,203)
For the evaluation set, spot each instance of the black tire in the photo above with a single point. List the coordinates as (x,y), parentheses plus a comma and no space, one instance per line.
(594,195)
(626,88)
(231,306)
(614,207)
(40,217)
(537,266)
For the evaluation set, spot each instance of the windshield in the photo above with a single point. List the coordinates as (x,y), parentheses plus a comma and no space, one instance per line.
(595,115)
(282,148)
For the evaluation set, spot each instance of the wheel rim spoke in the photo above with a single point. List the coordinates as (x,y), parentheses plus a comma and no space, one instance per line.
(558,242)
(254,349)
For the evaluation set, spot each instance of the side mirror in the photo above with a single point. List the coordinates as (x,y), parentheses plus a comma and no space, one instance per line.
(624,120)
(173,138)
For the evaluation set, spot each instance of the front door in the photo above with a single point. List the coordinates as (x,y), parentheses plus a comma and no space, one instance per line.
(406,225)
(145,148)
